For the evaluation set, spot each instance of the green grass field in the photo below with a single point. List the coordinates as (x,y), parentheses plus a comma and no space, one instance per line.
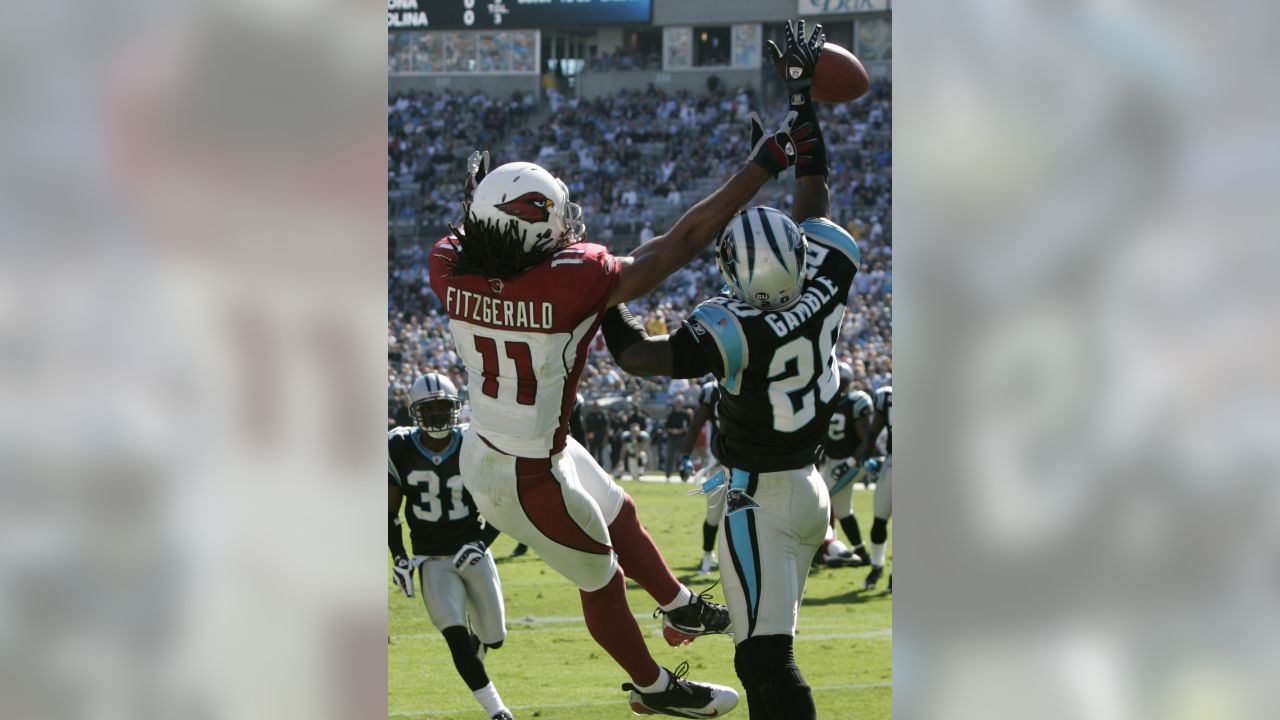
(550,668)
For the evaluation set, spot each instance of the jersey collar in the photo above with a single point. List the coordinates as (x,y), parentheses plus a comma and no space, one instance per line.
(439,457)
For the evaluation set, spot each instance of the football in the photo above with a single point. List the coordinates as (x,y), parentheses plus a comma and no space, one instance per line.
(839,77)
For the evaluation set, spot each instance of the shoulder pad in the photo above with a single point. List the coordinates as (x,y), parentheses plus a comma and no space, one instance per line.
(829,234)
(396,436)
(861,403)
(724,328)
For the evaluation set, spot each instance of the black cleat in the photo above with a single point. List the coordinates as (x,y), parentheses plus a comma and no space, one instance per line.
(862,556)
(873,577)
(684,698)
(520,550)
(503,715)
(700,617)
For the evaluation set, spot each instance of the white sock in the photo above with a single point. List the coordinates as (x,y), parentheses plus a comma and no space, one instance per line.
(489,700)
(658,685)
(877,554)
(710,557)
(684,597)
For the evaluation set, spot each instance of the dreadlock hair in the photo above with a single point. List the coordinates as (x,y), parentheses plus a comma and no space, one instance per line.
(491,249)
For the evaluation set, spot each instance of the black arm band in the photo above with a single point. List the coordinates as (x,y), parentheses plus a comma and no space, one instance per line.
(489,534)
(395,539)
(621,330)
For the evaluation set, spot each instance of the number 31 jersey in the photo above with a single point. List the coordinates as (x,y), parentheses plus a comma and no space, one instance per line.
(442,517)
(524,341)
(777,370)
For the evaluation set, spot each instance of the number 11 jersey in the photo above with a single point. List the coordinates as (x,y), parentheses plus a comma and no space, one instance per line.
(778,371)
(524,341)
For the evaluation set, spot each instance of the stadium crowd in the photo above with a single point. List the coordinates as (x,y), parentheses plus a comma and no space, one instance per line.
(634,161)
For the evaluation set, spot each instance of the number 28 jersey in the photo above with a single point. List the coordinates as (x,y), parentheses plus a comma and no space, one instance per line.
(778,371)
(524,341)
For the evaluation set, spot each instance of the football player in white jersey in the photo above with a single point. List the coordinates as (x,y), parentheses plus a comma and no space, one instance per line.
(883,474)
(771,346)
(524,294)
(460,583)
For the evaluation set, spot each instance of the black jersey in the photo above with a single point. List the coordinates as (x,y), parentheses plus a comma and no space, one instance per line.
(442,517)
(884,405)
(842,439)
(778,371)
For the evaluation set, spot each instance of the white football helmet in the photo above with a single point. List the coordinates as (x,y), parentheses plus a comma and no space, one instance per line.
(846,377)
(762,258)
(434,404)
(537,200)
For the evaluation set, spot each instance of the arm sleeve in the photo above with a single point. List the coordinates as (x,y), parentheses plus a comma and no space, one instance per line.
(691,358)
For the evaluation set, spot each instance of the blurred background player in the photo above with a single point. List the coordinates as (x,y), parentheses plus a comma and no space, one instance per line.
(772,348)
(883,474)
(450,541)
(849,423)
(676,425)
(634,453)
(524,294)
(708,396)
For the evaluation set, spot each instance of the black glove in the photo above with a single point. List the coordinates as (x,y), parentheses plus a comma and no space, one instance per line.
(799,60)
(797,64)
(686,467)
(402,573)
(469,554)
(785,147)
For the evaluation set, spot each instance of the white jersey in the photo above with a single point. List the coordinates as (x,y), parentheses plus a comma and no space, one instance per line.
(524,342)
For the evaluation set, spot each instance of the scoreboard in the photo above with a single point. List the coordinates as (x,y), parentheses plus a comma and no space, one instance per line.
(512,14)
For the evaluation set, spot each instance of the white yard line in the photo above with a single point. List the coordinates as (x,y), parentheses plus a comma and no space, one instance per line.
(601,703)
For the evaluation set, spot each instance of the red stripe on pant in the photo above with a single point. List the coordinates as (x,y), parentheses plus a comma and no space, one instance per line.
(542,499)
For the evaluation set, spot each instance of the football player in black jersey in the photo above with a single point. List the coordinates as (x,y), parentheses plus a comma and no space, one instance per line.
(883,474)
(771,346)
(848,424)
(708,396)
(450,541)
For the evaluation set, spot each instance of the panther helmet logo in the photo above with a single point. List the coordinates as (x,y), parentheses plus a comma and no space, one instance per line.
(531,207)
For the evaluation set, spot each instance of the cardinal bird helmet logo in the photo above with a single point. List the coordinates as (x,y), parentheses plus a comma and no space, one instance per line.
(531,207)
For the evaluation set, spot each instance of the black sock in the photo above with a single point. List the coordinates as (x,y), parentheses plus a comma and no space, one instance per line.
(776,689)
(464,658)
(879,531)
(708,536)
(850,527)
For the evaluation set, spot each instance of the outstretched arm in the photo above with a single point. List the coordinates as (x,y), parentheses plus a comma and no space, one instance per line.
(812,198)
(796,63)
(677,355)
(653,261)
